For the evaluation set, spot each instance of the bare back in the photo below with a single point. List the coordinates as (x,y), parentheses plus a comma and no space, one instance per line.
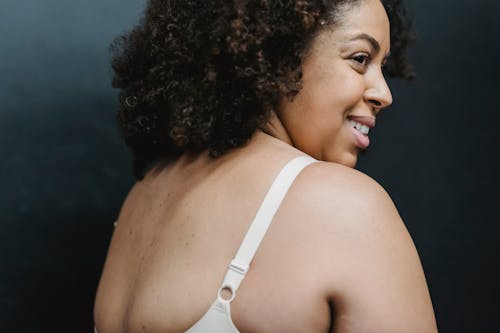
(176,234)
(179,229)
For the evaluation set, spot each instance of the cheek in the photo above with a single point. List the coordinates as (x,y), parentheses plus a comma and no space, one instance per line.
(318,112)
(340,89)
(349,90)
(339,96)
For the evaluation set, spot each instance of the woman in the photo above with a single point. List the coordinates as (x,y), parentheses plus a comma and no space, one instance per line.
(218,98)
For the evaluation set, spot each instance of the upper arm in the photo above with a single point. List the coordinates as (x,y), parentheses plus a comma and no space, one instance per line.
(377,280)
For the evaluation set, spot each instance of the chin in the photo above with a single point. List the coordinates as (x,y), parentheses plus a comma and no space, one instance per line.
(347,159)
(351,163)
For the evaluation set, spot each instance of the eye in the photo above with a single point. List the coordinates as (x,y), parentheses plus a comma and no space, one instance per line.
(361,59)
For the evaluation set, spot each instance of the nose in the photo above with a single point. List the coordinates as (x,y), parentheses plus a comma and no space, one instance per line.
(378,95)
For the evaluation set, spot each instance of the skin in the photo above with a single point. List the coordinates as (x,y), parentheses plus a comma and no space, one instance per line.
(337,257)
(342,77)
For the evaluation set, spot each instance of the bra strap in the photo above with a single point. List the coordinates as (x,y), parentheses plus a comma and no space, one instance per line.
(257,230)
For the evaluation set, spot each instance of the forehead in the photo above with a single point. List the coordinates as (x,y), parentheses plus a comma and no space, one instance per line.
(366,17)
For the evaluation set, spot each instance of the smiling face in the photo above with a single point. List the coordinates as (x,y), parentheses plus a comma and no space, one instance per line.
(343,86)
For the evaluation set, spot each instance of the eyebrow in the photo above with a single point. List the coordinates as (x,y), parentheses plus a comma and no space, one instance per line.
(373,42)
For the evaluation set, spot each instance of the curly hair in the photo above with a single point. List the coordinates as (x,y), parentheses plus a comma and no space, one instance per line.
(200,75)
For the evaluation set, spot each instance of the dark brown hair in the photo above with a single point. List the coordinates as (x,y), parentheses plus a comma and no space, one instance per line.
(203,74)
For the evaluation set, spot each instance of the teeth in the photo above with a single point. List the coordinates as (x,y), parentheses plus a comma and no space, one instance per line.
(360,127)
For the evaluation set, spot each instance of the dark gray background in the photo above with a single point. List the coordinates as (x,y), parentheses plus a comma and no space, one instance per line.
(64,169)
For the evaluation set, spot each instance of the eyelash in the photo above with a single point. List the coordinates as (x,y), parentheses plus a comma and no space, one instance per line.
(365,58)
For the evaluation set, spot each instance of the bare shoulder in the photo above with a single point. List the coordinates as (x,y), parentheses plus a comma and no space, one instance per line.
(373,274)
(334,188)
(351,205)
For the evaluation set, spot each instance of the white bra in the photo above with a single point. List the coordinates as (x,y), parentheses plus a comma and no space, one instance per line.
(218,317)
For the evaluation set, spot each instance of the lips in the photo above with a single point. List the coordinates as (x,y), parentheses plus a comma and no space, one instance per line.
(365,120)
(361,140)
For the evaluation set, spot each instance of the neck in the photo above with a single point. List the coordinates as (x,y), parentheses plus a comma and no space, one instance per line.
(274,127)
